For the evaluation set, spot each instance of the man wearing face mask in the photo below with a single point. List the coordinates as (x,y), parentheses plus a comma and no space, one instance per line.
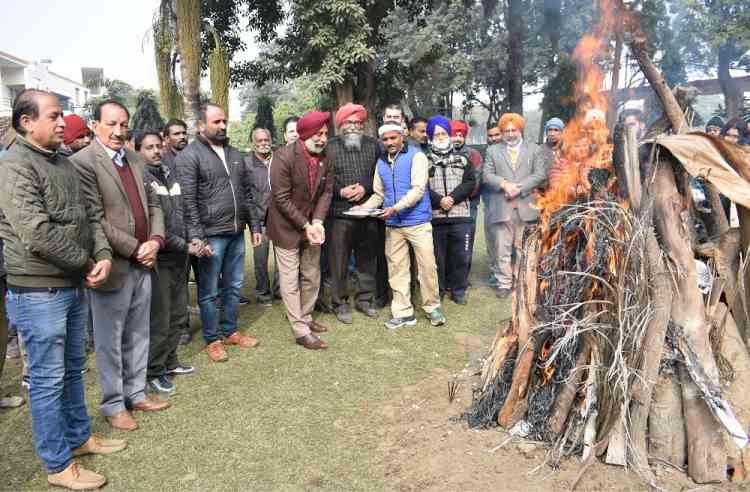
(354,156)
(452,179)
(511,172)
(217,196)
(130,214)
(301,190)
(258,165)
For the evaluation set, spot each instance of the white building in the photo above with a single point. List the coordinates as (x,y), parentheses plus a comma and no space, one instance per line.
(17,74)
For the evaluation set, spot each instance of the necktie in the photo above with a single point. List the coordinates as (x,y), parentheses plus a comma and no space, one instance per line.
(118,159)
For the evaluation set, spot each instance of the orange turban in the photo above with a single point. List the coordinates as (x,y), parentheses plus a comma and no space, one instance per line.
(348,110)
(514,118)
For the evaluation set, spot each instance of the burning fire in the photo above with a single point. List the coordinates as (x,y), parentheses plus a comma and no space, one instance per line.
(585,138)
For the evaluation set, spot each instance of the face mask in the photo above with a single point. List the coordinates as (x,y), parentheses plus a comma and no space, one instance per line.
(442,146)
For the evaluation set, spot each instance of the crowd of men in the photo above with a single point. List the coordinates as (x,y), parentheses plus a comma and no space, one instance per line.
(101,229)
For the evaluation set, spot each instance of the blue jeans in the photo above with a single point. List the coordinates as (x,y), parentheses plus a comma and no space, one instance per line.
(229,262)
(52,325)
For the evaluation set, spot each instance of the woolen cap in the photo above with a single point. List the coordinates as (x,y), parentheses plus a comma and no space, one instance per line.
(75,128)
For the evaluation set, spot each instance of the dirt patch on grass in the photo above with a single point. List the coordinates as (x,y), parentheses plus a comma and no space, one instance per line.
(426,447)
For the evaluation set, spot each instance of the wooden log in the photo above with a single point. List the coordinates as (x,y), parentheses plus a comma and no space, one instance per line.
(734,352)
(667,441)
(567,393)
(651,350)
(526,351)
(500,352)
(707,457)
(706,454)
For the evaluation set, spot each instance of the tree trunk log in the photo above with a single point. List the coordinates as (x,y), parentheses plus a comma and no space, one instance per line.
(706,454)
(667,441)
(567,394)
(653,345)
(189,41)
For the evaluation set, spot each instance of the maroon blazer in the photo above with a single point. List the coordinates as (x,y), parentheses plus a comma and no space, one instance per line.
(293,204)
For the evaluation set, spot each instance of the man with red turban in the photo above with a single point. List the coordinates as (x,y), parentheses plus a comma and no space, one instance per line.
(511,173)
(301,189)
(459,133)
(353,156)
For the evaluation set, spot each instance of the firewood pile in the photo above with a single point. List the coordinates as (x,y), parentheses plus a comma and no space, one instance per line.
(629,325)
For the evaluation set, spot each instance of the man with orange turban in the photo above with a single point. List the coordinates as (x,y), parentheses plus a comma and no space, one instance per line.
(511,173)
(354,156)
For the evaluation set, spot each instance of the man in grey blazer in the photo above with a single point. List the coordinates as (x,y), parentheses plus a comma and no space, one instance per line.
(511,173)
(130,214)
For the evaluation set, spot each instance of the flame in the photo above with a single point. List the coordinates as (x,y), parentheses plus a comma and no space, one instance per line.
(548,370)
(585,138)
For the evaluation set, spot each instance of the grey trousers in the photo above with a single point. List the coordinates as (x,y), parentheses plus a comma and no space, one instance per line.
(121,335)
(265,288)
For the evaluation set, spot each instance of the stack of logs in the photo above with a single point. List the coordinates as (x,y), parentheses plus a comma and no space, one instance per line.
(645,366)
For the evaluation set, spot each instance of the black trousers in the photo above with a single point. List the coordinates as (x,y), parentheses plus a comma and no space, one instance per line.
(382,287)
(169,316)
(452,255)
(344,237)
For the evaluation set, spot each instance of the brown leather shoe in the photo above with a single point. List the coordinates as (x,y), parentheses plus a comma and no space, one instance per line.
(216,351)
(311,342)
(100,445)
(150,404)
(76,477)
(243,341)
(123,421)
(316,327)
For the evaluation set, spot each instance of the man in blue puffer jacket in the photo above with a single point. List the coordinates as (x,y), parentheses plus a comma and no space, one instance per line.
(400,186)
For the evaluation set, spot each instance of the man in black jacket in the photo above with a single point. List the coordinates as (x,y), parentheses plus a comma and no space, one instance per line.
(258,165)
(354,156)
(217,196)
(169,315)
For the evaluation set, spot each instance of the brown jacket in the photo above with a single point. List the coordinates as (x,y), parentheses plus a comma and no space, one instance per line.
(292,205)
(103,188)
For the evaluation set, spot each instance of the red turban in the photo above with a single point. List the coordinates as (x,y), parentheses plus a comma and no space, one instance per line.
(514,118)
(311,123)
(350,109)
(458,126)
(75,128)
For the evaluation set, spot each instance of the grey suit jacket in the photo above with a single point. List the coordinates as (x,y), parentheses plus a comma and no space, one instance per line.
(109,203)
(530,174)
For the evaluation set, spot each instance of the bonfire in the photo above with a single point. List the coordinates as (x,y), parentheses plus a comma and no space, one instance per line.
(616,348)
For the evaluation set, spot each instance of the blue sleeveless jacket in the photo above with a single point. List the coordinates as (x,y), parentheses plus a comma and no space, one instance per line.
(396,183)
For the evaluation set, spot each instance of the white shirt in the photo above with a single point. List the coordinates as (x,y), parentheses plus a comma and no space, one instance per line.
(219,149)
(116,156)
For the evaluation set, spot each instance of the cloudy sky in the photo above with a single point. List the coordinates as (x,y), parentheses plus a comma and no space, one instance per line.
(113,35)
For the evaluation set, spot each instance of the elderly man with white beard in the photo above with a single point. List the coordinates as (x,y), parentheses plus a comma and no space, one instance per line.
(354,156)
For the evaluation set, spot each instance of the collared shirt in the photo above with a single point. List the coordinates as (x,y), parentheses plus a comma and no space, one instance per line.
(115,155)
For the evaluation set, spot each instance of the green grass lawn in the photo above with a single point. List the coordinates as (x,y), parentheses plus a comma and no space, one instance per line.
(277,417)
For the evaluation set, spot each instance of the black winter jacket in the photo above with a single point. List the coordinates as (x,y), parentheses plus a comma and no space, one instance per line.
(163,181)
(216,203)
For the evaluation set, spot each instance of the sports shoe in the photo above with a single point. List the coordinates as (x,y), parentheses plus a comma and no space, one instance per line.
(344,314)
(162,385)
(502,293)
(244,301)
(76,477)
(181,370)
(25,382)
(13,351)
(436,317)
(185,338)
(394,323)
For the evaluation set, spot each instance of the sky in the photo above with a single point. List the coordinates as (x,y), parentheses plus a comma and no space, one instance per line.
(109,34)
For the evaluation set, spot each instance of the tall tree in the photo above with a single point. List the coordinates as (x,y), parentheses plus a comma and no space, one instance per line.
(189,41)
(514,14)
(713,34)
(146,115)
(264,117)
(165,37)
(218,62)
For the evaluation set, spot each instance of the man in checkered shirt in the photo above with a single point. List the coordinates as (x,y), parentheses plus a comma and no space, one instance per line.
(354,156)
